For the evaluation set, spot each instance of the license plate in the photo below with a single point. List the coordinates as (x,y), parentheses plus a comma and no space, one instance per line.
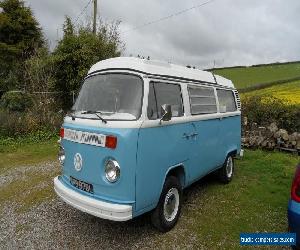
(81,185)
(84,137)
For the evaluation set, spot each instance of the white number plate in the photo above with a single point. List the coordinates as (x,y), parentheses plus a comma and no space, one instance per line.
(84,137)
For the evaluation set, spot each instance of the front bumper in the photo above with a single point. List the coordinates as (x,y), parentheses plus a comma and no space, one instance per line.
(294,219)
(101,209)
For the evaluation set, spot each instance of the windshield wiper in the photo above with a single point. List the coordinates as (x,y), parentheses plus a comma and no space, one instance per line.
(72,114)
(95,113)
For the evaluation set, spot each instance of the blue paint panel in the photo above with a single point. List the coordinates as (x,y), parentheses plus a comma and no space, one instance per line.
(93,163)
(163,147)
(159,148)
(216,138)
(230,134)
(206,152)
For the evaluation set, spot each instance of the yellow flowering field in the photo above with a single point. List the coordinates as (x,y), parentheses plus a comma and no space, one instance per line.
(288,92)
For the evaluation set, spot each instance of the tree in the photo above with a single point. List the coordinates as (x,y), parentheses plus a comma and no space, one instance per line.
(20,36)
(78,50)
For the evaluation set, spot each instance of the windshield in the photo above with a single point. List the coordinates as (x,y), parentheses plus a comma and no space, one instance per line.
(114,96)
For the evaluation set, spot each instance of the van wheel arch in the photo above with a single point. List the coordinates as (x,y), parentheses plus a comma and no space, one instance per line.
(232,153)
(179,173)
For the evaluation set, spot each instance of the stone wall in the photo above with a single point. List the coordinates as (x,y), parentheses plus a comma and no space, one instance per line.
(270,138)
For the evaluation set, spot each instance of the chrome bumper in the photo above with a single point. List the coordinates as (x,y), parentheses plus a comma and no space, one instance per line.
(101,209)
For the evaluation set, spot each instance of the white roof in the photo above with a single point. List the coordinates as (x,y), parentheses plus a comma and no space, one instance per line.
(159,68)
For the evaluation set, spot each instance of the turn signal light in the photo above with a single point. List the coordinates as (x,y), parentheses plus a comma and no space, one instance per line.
(61,132)
(111,142)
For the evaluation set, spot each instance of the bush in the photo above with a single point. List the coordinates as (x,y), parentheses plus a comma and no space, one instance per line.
(20,124)
(78,50)
(20,35)
(264,110)
(16,101)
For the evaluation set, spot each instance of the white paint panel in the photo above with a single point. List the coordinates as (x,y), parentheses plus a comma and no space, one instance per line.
(149,123)
(159,68)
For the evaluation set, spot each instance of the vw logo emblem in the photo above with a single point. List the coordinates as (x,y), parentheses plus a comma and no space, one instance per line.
(78,162)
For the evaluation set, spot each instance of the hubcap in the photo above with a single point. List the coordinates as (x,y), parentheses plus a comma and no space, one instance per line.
(171,204)
(229,167)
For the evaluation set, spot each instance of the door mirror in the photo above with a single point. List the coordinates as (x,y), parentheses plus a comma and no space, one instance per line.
(166,112)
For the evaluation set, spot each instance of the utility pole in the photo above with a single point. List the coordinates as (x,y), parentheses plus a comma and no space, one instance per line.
(95,17)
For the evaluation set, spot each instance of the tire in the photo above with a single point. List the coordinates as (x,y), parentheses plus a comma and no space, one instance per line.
(165,216)
(226,172)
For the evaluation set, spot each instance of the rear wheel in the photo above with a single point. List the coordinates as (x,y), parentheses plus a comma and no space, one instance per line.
(227,170)
(166,214)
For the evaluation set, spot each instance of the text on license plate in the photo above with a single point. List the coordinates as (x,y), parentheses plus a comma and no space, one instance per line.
(81,185)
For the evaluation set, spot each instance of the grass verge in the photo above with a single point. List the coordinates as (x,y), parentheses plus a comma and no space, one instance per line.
(33,186)
(19,152)
(255,201)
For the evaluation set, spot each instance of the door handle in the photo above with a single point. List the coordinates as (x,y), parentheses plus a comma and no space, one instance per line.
(188,136)
(193,135)
(185,136)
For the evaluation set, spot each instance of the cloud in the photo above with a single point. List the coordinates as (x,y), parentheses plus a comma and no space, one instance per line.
(229,32)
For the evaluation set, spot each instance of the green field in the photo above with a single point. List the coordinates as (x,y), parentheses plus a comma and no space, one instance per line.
(287,92)
(248,76)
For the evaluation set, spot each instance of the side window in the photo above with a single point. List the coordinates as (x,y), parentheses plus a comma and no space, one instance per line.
(202,100)
(226,100)
(164,93)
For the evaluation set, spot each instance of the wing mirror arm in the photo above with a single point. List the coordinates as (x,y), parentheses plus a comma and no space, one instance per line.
(166,112)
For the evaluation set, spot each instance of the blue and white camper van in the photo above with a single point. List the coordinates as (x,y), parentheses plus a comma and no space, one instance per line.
(140,132)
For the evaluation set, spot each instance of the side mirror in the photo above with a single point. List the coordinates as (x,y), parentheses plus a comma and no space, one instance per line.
(166,112)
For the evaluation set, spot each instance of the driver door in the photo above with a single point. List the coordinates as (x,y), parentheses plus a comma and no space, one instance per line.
(161,145)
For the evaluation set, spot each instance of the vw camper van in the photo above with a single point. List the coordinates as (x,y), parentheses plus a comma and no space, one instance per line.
(140,132)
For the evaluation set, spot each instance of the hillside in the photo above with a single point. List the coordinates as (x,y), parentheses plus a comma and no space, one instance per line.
(244,77)
(288,92)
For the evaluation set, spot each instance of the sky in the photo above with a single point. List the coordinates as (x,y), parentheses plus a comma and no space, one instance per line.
(220,33)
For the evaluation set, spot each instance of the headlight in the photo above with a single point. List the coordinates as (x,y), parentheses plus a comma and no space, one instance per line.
(61,155)
(112,170)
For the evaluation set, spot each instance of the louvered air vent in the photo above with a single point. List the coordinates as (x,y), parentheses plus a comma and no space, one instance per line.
(238,100)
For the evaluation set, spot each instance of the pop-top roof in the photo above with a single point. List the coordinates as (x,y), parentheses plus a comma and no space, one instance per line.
(160,69)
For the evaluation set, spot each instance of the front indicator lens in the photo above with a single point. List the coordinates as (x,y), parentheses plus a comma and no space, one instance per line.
(112,170)
(61,155)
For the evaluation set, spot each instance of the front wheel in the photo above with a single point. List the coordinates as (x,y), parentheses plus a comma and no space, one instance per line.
(227,170)
(166,214)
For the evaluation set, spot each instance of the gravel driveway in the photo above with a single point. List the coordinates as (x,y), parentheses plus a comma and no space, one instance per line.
(53,224)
